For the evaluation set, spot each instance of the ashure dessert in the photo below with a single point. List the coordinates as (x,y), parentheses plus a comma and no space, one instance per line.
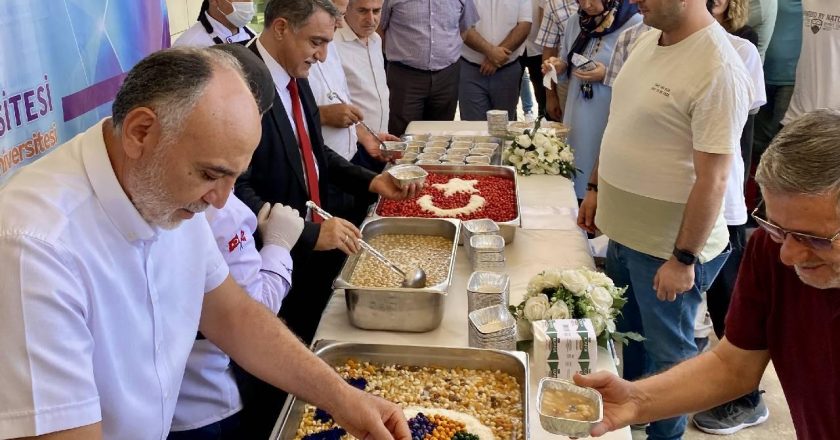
(568,405)
(439,403)
(428,252)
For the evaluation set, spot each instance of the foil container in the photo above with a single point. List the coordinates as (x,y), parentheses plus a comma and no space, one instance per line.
(416,137)
(485,289)
(392,149)
(487,243)
(562,426)
(492,327)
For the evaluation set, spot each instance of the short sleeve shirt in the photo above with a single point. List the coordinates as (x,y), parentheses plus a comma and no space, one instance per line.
(772,309)
(667,103)
(99,309)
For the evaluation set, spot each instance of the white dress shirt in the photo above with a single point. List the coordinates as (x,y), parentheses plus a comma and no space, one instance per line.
(324,78)
(209,392)
(498,18)
(281,81)
(364,68)
(197,36)
(99,309)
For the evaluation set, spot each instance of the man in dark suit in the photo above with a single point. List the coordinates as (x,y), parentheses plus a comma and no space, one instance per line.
(292,165)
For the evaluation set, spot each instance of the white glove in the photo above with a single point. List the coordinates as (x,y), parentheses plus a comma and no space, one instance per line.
(279,225)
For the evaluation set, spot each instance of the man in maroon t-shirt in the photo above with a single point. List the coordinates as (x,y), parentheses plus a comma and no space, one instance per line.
(786,305)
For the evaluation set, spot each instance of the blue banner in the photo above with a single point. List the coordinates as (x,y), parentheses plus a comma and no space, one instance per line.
(62,62)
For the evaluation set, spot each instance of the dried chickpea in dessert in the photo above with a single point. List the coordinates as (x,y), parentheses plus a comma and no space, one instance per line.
(429,252)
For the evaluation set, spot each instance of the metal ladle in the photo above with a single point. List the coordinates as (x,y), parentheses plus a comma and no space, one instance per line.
(415,278)
(334,96)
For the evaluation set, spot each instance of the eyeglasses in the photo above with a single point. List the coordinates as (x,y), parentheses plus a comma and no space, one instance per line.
(779,234)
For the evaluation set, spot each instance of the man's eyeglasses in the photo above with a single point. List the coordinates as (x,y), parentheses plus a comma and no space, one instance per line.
(778,234)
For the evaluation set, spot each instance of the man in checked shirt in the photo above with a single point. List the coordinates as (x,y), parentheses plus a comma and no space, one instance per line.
(552,30)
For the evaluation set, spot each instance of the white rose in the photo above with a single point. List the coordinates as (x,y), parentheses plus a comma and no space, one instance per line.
(601,299)
(552,147)
(559,310)
(599,323)
(552,277)
(519,151)
(567,156)
(538,170)
(531,156)
(552,157)
(599,279)
(536,308)
(575,282)
(523,140)
(553,169)
(536,285)
(515,159)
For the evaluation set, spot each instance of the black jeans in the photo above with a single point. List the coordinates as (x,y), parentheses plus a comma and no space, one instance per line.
(720,293)
(225,429)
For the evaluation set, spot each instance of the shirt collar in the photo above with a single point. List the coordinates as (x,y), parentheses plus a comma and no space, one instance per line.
(347,34)
(221,30)
(103,180)
(278,73)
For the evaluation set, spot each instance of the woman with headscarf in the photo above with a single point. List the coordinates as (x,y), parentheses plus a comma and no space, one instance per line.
(591,33)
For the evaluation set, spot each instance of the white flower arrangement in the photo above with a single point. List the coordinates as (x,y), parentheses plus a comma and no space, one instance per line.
(574,294)
(540,152)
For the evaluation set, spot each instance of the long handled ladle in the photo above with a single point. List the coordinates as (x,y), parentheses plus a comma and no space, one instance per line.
(415,278)
(334,96)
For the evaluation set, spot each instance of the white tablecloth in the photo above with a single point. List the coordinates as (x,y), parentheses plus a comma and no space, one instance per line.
(549,238)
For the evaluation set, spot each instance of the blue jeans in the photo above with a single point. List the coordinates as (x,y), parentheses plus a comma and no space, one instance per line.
(667,326)
(525,93)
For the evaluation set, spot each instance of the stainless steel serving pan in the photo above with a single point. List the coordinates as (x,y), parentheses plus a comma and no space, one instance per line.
(336,353)
(506,229)
(399,308)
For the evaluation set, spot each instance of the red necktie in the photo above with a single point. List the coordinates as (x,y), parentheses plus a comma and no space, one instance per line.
(305,149)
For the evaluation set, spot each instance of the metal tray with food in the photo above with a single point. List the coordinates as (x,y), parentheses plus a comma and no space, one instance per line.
(375,300)
(507,226)
(503,403)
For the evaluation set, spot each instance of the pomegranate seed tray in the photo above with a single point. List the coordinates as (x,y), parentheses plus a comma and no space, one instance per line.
(463,192)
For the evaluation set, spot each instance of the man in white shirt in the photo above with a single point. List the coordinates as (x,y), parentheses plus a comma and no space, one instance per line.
(291,165)
(106,281)
(552,30)
(340,125)
(219,22)
(679,106)
(209,401)
(490,69)
(819,61)
(360,48)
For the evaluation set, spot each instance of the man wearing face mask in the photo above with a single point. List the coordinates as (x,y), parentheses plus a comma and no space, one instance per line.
(219,22)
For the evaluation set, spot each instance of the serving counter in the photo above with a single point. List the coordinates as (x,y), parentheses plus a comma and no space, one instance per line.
(549,237)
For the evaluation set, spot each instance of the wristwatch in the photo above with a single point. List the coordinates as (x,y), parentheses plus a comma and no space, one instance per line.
(685,257)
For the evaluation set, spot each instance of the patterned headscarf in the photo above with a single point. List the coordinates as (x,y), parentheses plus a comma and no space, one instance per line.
(616,13)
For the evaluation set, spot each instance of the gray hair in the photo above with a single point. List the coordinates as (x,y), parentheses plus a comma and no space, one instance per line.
(297,12)
(803,159)
(170,83)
